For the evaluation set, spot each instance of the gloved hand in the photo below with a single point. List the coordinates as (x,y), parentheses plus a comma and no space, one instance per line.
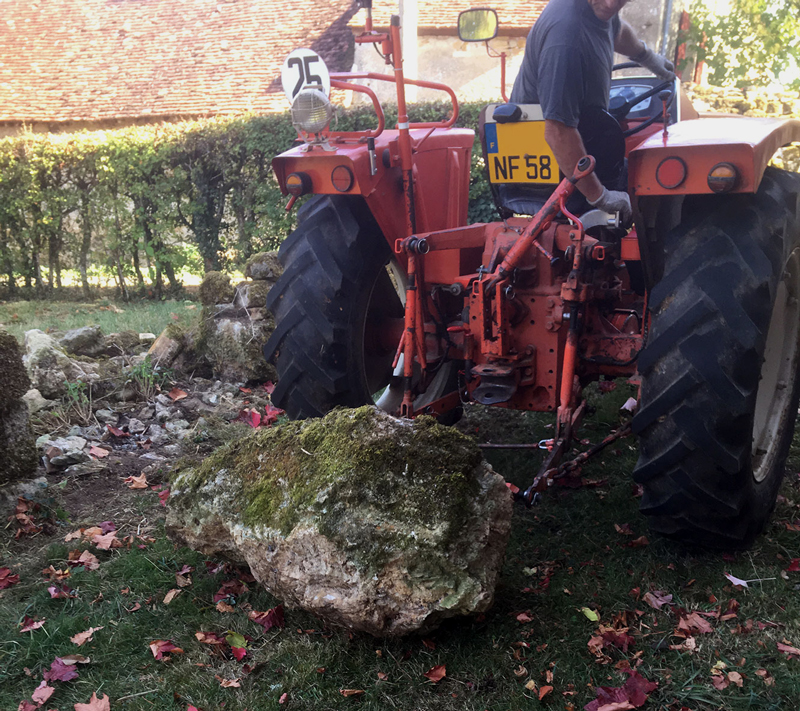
(614,201)
(660,66)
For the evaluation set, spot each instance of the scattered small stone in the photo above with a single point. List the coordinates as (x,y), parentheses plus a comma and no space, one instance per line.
(136,426)
(153,457)
(210,399)
(147,413)
(106,417)
(147,337)
(177,427)
(172,450)
(157,435)
(36,401)
(86,468)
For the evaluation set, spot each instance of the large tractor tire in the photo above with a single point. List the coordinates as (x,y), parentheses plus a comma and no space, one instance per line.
(720,385)
(338,312)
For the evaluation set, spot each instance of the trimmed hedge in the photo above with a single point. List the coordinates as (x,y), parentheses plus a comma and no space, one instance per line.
(139,204)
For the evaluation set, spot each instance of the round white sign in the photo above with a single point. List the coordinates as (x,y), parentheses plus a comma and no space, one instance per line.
(304,68)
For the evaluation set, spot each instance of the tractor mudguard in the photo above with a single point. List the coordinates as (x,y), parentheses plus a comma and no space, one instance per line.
(679,163)
(440,165)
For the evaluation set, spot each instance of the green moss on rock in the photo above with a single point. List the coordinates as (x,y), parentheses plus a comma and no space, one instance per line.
(216,288)
(15,378)
(263,265)
(417,477)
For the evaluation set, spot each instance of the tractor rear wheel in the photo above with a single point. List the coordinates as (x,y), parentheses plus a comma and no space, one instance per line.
(338,312)
(720,385)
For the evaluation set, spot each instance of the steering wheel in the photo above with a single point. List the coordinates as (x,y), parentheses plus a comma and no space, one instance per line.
(620,111)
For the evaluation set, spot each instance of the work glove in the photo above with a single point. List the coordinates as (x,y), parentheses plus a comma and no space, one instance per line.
(614,201)
(660,66)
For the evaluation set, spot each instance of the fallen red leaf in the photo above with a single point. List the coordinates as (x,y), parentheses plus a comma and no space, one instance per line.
(269,386)
(544,691)
(7,578)
(117,432)
(238,653)
(246,391)
(163,496)
(228,683)
(98,452)
(787,649)
(271,414)
(209,638)
(631,695)
(524,617)
(269,619)
(161,647)
(95,704)
(230,588)
(657,599)
(61,591)
(436,674)
(84,559)
(693,623)
(284,698)
(29,624)
(177,394)
(794,566)
(250,417)
(351,692)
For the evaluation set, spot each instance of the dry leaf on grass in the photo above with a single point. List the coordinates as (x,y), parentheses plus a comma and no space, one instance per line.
(171,595)
(437,673)
(83,637)
(29,624)
(351,692)
(137,482)
(95,704)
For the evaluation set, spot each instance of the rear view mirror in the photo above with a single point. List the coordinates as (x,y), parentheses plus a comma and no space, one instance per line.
(477,25)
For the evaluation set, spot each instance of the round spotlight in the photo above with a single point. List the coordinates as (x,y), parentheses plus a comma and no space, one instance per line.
(722,178)
(311,111)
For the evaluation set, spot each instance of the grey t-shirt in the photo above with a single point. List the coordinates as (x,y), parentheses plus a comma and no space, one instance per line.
(567,64)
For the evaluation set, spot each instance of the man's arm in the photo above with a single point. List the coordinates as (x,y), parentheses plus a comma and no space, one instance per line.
(567,145)
(627,42)
(568,148)
(630,45)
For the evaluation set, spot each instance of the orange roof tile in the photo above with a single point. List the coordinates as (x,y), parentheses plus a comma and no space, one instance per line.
(96,60)
(67,60)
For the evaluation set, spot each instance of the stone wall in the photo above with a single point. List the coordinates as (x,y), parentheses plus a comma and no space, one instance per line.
(17,449)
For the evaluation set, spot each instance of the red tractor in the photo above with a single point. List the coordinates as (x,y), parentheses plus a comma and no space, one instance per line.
(388,296)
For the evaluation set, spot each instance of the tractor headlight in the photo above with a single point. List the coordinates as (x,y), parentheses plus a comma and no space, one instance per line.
(311,111)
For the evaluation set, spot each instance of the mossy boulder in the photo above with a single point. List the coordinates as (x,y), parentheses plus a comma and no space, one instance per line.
(216,288)
(17,446)
(263,266)
(231,345)
(377,524)
(50,368)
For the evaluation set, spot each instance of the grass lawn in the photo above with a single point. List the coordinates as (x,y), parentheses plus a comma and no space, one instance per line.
(570,559)
(16,317)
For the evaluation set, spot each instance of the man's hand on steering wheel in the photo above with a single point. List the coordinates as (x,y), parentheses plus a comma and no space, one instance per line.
(660,66)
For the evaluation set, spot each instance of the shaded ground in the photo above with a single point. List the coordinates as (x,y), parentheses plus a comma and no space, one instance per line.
(582,549)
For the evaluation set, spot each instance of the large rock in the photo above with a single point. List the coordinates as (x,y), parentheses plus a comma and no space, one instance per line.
(17,448)
(85,341)
(377,524)
(263,266)
(49,367)
(231,342)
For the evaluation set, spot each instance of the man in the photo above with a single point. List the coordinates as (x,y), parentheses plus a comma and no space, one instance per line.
(567,69)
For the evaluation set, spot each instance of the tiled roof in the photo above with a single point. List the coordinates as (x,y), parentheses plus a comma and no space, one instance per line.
(74,60)
(97,60)
(443,14)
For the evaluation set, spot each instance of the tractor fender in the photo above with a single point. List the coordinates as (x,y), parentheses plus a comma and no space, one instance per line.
(679,162)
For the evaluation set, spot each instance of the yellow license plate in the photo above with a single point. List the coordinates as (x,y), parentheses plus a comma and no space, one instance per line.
(517,153)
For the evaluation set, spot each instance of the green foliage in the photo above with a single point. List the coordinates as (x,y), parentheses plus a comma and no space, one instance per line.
(752,44)
(137,205)
(148,378)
